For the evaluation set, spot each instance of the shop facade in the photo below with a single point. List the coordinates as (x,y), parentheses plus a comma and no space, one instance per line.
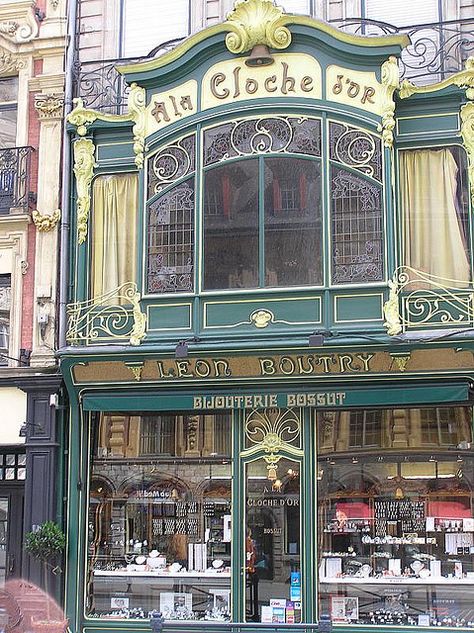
(269,360)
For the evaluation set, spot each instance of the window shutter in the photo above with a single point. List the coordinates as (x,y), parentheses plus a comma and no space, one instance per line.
(402,13)
(147,24)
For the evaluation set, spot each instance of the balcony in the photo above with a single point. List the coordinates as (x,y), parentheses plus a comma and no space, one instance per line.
(14,179)
(437,50)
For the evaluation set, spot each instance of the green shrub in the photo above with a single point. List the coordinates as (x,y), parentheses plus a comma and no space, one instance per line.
(46,543)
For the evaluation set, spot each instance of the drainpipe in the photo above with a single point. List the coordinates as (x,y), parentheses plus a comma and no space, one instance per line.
(65,172)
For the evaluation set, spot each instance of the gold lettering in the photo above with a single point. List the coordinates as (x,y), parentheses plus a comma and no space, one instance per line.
(175,106)
(224,364)
(248,402)
(345,363)
(365,358)
(337,88)
(287,362)
(236,74)
(186,103)
(251,86)
(341,397)
(306,84)
(216,80)
(267,366)
(301,369)
(368,94)
(160,111)
(273,400)
(161,371)
(183,366)
(324,361)
(270,80)
(202,373)
(288,83)
(197,402)
(353,89)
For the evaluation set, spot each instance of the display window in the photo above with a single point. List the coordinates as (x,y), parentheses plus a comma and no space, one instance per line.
(160,516)
(395,517)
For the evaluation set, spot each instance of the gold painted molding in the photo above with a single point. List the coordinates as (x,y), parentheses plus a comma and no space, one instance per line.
(391,310)
(390,83)
(84,164)
(254,22)
(137,112)
(467,133)
(82,117)
(46,222)
(10,63)
(464,79)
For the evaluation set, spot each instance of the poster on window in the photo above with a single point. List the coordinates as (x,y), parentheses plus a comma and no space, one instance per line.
(176,605)
(344,609)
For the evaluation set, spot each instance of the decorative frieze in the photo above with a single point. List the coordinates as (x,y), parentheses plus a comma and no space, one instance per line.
(46,222)
(49,106)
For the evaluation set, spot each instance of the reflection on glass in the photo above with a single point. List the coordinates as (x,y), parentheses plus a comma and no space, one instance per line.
(292,222)
(272,522)
(7,128)
(159,517)
(3,537)
(396,526)
(231,226)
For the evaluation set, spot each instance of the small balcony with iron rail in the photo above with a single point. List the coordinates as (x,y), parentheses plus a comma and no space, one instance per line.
(15,172)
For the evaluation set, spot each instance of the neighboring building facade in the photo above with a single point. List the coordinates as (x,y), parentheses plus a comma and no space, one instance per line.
(268,344)
(32,46)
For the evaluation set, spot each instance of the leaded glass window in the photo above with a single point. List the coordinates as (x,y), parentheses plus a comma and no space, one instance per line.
(171,240)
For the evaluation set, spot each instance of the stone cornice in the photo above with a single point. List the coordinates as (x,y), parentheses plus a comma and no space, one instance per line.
(18,22)
(47,83)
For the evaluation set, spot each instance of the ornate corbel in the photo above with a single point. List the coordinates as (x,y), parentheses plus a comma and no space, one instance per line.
(467,133)
(81,117)
(136,109)
(391,310)
(84,164)
(46,222)
(390,83)
(254,22)
(139,320)
(464,79)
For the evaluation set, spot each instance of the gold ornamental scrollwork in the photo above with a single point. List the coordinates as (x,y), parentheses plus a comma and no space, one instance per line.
(45,222)
(254,22)
(136,108)
(390,82)
(464,79)
(271,431)
(418,299)
(113,315)
(261,318)
(84,164)
(81,117)
(467,134)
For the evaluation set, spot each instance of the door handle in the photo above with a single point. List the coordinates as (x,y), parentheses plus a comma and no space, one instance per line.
(11,563)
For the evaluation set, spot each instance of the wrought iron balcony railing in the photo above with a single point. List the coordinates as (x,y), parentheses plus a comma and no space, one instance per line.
(14,178)
(437,50)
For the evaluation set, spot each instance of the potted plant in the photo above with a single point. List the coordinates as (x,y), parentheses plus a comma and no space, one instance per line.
(47,544)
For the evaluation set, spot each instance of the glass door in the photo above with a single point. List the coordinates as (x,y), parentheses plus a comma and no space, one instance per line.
(11,517)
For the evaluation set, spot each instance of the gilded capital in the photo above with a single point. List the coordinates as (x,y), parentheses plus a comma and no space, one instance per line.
(84,164)
(81,117)
(136,109)
(254,22)
(49,106)
(46,222)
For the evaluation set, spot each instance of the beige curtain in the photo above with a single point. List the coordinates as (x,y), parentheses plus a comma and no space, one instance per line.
(114,230)
(433,236)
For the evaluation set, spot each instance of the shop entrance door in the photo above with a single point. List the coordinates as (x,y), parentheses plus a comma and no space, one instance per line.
(11,532)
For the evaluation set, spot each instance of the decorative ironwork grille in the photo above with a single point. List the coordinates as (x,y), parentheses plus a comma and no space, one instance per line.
(12,467)
(171,241)
(171,163)
(356,149)
(247,137)
(14,178)
(356,228)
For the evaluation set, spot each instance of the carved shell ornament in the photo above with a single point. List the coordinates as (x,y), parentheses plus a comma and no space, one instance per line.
(254,22)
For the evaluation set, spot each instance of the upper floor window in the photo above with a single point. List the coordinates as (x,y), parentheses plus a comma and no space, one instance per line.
(434,196)
(8,111)
(145,25)
(264,207)
(5,304)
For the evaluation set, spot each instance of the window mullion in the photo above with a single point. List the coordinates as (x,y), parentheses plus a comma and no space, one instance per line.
(261,222)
